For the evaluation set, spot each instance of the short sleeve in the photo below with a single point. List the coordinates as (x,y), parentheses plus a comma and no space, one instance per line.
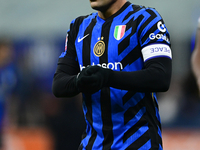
(154,37)
(70,50)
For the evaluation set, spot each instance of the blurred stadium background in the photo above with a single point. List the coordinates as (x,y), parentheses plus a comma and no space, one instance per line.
(35,31)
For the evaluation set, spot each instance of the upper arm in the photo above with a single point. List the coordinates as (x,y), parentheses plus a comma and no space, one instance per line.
(154,37)
(68,62)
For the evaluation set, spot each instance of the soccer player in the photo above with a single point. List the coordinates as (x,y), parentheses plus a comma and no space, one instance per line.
(195,59)
(118,58)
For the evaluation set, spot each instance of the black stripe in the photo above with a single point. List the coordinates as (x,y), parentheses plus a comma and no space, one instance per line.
(88,101)
(90,120)
(80,147)
(106,118)
(139,142)
(105,94)
(156,106)
(153,121)
(119,11)
(126,41)
(151,30)
(132,111)
(128,96)
(77,22)
(84,134)
(130,114)
(135,128)
(132,56)
(87,43)
(152,16)
(136,8)
(72,35)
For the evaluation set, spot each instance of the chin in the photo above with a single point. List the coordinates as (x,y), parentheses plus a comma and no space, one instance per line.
(97,7)
(93,4)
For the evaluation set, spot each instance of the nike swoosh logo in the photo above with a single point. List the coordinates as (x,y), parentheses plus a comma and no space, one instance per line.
(79,40)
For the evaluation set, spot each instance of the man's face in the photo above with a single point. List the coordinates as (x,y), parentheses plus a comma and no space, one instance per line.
(101,5)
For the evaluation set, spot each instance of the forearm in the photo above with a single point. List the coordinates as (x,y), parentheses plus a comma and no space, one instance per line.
(64,81)
(64,85)
(155,78)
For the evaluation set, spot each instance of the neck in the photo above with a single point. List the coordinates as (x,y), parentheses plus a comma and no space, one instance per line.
(112,9)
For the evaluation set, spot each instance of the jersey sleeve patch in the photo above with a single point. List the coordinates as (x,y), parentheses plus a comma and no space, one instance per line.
(156,50)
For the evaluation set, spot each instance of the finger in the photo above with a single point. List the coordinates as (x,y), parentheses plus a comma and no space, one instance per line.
(89,79)
(92,69)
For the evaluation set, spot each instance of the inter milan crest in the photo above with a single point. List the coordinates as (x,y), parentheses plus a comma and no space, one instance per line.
(119,31)
(99,48)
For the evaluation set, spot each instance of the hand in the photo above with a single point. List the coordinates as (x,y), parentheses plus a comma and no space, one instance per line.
(93,78)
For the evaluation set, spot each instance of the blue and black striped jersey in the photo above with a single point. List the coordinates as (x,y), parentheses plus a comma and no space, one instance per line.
(119,119)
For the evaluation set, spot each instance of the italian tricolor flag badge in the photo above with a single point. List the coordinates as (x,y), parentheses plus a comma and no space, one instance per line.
(119,31)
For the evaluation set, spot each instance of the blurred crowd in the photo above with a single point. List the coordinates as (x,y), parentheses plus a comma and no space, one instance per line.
(27,67)
(26,101)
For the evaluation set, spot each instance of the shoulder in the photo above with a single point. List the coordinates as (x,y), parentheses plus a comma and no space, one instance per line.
(79,20)
(150,15)
(150,11)
(144,11)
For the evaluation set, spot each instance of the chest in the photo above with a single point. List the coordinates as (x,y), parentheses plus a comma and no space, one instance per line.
(113,44)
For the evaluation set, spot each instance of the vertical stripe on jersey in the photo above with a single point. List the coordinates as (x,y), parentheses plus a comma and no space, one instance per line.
(89,121)
(152,118)
(105,95)
(86,62)
(86,44)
